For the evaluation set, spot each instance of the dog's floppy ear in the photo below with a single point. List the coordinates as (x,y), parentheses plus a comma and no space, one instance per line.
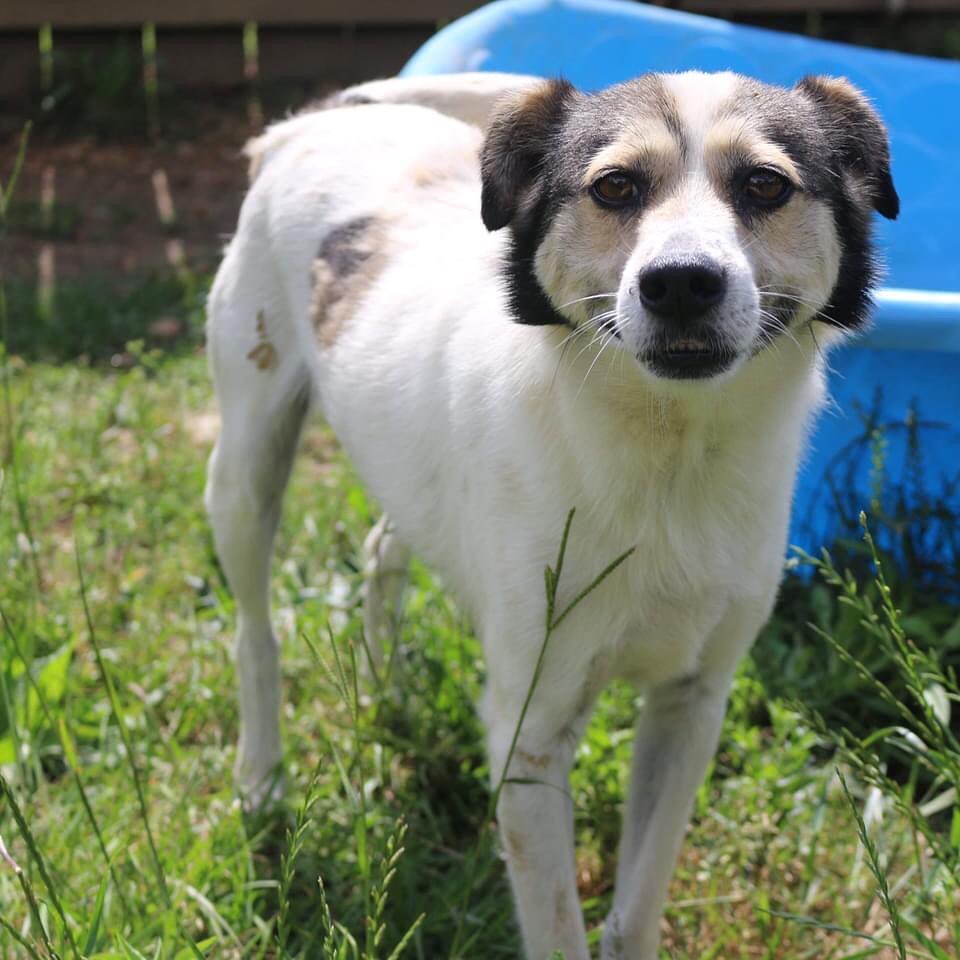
(852,123)
(518,138)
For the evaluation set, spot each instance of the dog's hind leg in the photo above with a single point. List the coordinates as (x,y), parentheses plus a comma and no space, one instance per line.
(263,392)
(385,574)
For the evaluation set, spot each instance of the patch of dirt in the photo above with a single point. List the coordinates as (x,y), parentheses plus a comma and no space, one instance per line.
(123,210)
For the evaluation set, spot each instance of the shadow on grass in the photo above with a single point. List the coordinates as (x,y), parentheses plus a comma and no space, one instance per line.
(93,320)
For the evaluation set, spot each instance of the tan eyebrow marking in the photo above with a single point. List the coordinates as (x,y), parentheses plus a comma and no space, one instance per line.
(651,148)
(735,136)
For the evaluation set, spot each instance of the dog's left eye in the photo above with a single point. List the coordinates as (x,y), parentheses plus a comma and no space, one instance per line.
(766,187)
(615,190)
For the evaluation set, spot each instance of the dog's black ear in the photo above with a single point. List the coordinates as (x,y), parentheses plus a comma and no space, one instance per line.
(518,138)
(854,126)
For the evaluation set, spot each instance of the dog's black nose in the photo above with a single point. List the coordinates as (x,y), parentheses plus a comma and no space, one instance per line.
(682,289)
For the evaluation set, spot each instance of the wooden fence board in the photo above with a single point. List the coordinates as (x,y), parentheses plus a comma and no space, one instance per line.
(74,14)
(331,42)
(19,64)
(320,57)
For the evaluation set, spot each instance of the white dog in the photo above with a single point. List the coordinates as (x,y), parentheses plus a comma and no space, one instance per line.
(611,302)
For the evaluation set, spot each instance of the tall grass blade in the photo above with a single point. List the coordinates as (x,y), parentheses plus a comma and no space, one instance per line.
(41,866)
(120,720)
(11,453)
(93,933)
(66,742)
(128,749)
(397,951)
(31,952)
(6,191)
(288,860)
(873,861)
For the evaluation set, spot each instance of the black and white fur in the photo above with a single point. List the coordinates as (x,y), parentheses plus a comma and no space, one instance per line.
(496,341)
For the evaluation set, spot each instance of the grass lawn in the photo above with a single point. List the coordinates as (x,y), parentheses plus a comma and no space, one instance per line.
(107,466)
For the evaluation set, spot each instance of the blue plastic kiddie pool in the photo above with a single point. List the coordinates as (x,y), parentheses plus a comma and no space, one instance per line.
(903,375)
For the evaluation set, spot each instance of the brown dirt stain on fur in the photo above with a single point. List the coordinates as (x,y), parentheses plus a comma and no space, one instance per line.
(264,354)
(514,843)
(538,760)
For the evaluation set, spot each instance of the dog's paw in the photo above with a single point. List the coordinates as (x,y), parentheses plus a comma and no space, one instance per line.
(264,793)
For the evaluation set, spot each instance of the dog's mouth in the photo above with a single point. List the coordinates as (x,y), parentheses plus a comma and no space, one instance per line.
(687,358)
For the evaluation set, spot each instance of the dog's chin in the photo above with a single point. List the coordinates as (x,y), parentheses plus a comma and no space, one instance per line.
(688,358)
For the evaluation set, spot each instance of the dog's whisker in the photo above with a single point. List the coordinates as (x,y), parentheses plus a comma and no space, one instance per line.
(819,311)
(820,351)
(590,325)
(592,296)
(603,345)
(582,328)
(780,326)
(598,336)
(595,324)
(606,338)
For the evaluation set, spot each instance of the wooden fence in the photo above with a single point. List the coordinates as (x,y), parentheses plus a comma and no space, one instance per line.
(27,14)
(200,43)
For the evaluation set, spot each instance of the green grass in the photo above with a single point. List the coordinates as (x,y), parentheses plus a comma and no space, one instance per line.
(388,795)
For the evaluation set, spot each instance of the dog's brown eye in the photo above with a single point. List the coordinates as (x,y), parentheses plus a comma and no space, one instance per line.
(767,188)
(615,190)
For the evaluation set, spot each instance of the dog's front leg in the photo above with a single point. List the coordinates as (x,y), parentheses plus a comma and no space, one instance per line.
(677,735)
(535,816)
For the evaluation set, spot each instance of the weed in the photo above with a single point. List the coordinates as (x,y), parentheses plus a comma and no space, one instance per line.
(97,94)
(920,734)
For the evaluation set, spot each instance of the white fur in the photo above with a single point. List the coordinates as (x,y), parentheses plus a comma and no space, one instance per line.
(466,96)
(477,435)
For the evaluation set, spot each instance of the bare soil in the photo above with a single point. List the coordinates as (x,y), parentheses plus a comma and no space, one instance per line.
(107,221)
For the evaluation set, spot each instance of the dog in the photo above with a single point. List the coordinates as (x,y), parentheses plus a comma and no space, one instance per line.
(511,298)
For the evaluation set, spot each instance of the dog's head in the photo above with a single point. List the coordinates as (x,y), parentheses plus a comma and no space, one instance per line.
(694,217)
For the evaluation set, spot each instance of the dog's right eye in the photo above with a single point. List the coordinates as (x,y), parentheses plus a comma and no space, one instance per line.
(767,188)
(615,190)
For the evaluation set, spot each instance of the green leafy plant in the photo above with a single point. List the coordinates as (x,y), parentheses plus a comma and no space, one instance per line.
(921,705)
(97,94)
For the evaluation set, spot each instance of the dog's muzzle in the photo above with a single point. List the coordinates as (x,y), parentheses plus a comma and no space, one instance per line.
(681,295)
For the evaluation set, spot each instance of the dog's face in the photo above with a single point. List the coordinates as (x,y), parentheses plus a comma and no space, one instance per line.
(692,217)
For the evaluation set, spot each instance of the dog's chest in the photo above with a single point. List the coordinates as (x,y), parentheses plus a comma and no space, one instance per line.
(696,500)
(705,521)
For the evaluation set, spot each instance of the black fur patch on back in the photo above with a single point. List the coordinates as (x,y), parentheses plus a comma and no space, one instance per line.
(340,247)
